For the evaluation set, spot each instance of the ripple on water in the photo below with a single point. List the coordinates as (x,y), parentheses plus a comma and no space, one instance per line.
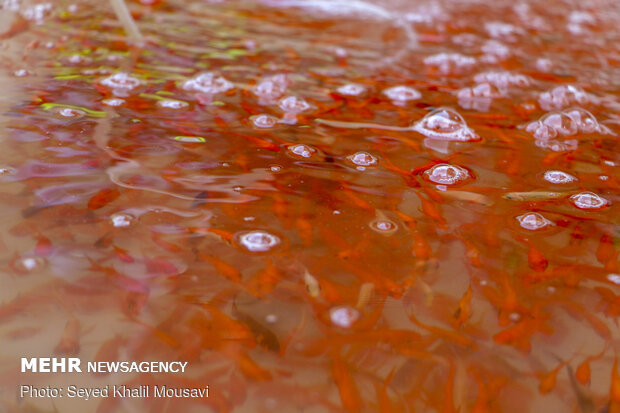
(446,174)
(533,221)
(589,200)
(208,83)
(257,241)
(503,80)
(445,124)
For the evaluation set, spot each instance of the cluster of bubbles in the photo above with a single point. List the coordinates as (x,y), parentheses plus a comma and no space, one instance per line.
(566,123)
(563,96)
(272,87)
(208,83)
(450,63)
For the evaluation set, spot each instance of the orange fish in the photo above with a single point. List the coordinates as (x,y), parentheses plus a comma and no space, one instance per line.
(222,267)
(103,198)
(463,312)
(537,260)
(44,247)
(349,394)
(69,343)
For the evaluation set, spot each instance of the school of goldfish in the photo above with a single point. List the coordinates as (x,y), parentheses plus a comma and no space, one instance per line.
(321,206)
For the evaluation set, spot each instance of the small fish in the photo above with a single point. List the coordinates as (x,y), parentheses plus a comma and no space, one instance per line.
(264,336)
(69,343)
(533,196)
(537,260)
(222,267)
(463,311)
(349,394)
(103,198)
(44,247)
(122,254)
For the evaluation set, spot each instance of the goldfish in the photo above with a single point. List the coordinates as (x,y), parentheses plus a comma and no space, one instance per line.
(103,198)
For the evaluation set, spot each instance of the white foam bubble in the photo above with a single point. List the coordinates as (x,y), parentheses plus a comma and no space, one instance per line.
(258,241)
(589,200)
(402,93)
(559,177)
(445,124)
(533,221)
(446,174)
(343,316)
(208,83)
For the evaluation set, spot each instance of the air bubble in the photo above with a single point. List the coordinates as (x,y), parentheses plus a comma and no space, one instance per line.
(495,51)
(114,102)
(352,89)
(401,94)
(589,200)
(558,146)
(172,104)
(551,125)
(383,226)
(445,174)
(293,104)
(585,121)
(302,150)
(264,121)
(258,241)
(69,112)
(121,83)
(362,159)
(343,316)
(450,63)
(121,220)
(208,83)
(501,30)
(614,278)
(445,124)
(7,171)
(563,96)
(26,265)
(503,80)
(533,221)
(559,177)
(271,88)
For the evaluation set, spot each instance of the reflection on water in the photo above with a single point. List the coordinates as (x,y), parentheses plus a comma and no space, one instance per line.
(321,206)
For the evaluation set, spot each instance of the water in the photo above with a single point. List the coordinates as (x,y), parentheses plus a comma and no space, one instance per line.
(321,206)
